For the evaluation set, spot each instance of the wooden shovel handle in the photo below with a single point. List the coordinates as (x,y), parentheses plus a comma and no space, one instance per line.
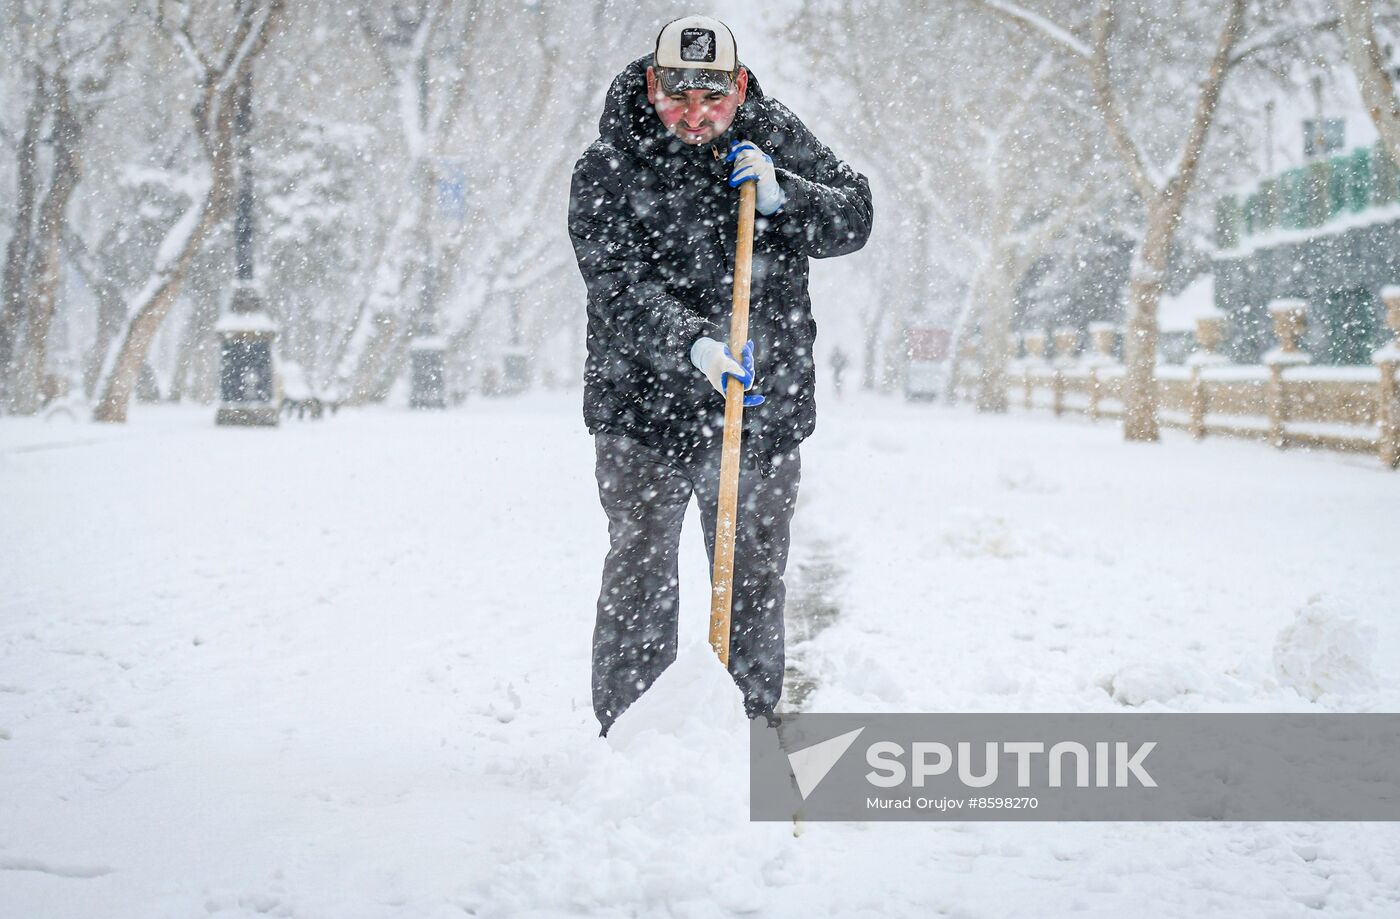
(726,523)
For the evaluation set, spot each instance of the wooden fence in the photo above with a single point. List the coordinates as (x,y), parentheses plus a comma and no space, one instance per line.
(1285,401)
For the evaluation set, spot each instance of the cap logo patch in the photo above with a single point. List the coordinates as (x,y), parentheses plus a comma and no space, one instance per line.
(698,45)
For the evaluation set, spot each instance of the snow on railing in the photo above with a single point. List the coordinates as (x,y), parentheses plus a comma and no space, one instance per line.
(1285,401)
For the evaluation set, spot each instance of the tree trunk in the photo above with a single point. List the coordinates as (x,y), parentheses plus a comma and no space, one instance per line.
(159,294)
(13,297)
(1164,205)
(996,333)
(388,314)
(871,347)
(111,310)
(42,287)
(191,377)
(213,117)
(1145,284)
(1377,89)
(181,243)
(372,362)
(962,322)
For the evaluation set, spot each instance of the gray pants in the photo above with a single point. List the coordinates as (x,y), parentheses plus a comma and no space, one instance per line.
(645,494)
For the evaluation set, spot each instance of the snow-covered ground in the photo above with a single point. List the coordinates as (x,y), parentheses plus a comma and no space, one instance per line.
(341,669)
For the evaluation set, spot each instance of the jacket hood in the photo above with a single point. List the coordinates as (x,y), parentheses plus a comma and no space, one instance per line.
(629,122)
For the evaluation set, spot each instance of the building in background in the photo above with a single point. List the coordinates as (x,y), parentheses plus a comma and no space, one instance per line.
(1326,231)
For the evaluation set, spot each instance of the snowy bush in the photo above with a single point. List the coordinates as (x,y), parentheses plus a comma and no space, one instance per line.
(1325,651)
(1159,681)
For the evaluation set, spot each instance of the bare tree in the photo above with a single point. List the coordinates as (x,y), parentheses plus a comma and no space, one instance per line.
(912,132)
(509,258)
(1377,87)
(85,58)
(27,382)
(237,38)
(111,307)
(1164,190)
(505,255)
(410,40)
(17,251)
(987,154)
(1027,139)
(70,50)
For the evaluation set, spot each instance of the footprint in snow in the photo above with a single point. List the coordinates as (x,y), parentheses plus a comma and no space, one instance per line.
(503,710)
(19,863)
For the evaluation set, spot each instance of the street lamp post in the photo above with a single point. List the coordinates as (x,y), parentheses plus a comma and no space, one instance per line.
(515,360)
(246,332)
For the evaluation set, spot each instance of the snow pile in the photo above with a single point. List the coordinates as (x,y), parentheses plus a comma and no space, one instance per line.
(675,767)
(1325,651)
(984,534)
(1157,681)
(853,679)
(972,534)
(693,700)
(1023,477)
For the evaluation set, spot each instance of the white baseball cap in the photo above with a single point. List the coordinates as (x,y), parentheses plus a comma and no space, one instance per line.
(696,52)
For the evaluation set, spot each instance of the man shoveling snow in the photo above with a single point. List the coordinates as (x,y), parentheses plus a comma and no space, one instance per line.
(651,216)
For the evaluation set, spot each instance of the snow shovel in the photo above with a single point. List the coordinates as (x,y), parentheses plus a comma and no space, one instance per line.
(722,584)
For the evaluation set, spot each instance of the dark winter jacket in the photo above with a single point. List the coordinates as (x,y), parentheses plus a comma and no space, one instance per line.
(653,223)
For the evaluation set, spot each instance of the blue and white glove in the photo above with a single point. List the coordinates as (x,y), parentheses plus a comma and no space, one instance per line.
(714,360)
(753,165)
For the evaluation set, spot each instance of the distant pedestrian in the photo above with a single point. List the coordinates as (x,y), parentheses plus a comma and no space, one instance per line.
(838,369)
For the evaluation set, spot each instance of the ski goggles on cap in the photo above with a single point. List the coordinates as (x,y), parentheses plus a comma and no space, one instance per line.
(676,81)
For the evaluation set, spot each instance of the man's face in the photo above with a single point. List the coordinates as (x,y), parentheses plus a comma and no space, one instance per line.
(696,116)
